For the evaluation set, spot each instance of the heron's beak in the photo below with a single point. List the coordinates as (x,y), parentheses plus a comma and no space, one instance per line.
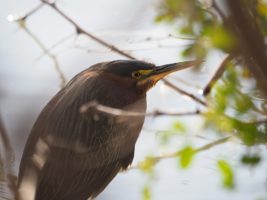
(160,72)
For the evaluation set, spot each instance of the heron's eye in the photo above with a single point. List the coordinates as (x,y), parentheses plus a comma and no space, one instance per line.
(136,74)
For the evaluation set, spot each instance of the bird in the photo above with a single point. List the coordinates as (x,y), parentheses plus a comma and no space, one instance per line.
(74,152)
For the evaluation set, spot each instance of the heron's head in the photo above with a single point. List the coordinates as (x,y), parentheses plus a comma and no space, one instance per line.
(140,74)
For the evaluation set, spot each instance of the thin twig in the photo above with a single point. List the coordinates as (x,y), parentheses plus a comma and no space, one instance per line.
(132,49)
(63,80)
(213,144)
(197,150)
(80,30)
(185,82)
(217,74)
(176,154)
(56,44)
(219,11)
(119,112)
(32,11)
(257,122)
(146,36)
(22,18)
(168,83)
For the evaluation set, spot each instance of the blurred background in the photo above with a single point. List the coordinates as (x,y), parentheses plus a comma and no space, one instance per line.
(29,78)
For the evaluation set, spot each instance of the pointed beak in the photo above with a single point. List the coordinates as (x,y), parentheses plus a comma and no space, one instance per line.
(161,71)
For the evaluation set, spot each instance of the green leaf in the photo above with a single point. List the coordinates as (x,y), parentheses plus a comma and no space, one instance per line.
(163,17)
(227,174)
(186,156)
(146,193)
(262,9)
(221,39)
(179,127)
(166,136)
(187,30)
(251,160)
(218,121)
(147,164)
(248,132)
(242,102)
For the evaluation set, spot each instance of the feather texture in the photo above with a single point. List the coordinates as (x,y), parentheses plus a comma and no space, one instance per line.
(73,156)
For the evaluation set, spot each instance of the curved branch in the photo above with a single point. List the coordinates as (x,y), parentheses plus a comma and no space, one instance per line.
(193,97)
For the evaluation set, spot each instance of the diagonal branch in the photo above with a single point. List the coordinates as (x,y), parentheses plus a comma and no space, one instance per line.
(217,74)
(32,11)
(132,48)
(191,96)
(197,150)
(80,30)
(62,77)
(56,45)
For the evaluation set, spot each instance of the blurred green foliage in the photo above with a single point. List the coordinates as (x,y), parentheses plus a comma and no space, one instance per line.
(235,106)
(227,173)
(230,110)
(185,156)
(177,128)
(147,165)
(196,19)
(251,160)
(146,194)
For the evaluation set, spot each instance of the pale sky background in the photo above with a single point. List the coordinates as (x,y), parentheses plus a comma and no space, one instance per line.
(27,82)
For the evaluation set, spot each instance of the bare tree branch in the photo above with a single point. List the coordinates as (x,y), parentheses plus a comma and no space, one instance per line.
(26,15)
(217,74)
(56,44)
(251,42)
(191,96)
(62,77)
(80,30)
(91,106)
(197,150)
(22,18)
(134,48)
(219,11)
(32,11)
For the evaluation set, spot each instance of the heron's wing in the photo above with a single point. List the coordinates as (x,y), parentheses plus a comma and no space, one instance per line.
(63,180)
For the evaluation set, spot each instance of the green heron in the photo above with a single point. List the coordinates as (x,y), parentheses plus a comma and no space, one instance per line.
(73,155)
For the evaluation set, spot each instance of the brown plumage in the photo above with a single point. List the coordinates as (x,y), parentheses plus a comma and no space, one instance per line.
(73,155)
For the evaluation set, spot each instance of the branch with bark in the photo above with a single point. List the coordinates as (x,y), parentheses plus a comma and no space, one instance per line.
(93,106)
(80,30)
